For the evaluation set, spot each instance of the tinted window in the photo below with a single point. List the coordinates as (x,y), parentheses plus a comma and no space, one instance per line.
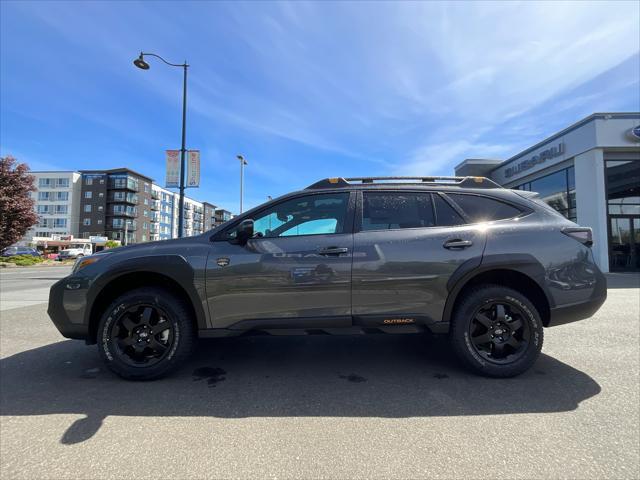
(446,216)
(483,209)
(310,215)
(390,210)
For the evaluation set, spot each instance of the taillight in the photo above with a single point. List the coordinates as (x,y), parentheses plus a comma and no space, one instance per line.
(582,234)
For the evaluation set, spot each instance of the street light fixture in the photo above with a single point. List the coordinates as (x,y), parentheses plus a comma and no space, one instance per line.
(140,63)
(243,162)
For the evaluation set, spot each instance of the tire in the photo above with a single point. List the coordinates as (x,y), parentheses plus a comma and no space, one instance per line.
(146,333)
(496,331)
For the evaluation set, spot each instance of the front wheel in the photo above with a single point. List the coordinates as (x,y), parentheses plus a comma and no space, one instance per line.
(496,331)
(146,333)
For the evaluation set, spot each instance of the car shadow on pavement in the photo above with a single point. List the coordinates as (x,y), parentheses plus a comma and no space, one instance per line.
(352,376)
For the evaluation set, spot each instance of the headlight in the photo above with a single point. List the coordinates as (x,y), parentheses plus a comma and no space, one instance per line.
(84,262)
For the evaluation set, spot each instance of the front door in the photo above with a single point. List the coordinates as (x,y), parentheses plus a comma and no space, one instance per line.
(407,247)
(624,243)
(294,273)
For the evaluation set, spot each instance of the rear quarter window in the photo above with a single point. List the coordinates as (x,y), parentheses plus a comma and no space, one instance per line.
(483,209)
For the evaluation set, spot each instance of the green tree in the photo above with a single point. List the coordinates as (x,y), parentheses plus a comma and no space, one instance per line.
(16,205)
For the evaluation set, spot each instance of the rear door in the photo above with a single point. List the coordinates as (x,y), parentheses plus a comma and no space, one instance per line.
(294,273)
(407,244)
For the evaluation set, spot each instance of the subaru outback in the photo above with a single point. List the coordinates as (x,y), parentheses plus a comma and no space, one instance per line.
(488,266)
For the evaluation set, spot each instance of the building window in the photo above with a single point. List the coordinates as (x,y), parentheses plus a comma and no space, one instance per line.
(62,196)
(62,209)
(100,208)
(44,196)
(43,209)
(88,181)
(557,189)
(87,208)
(101,194)
(623,209)
(86,222)
(88,194)
(99,222)
(60,223)
(62,182)
(101,181)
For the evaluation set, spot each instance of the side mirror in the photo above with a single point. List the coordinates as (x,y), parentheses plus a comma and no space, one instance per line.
(244,231)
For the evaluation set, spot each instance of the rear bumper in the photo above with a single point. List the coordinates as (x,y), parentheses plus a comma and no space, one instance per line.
(67,305)
(579,311)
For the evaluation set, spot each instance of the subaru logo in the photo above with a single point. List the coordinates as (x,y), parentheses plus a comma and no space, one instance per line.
(634,133)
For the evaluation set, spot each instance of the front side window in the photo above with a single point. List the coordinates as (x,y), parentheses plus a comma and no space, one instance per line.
(483,209)
(395,210)
(309,215)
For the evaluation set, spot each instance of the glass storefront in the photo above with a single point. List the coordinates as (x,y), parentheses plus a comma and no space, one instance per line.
(557,189)
(623,209)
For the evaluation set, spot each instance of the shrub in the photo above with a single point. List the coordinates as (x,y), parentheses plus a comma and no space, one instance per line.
(22,260)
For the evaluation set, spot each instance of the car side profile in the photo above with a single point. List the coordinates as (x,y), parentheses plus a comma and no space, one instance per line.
(461,256)
(17,250)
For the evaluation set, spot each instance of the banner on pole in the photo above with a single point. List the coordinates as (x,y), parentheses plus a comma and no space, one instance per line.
(193,168)
(172,179)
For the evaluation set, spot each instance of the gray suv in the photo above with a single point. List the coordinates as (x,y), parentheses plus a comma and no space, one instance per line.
(461,256)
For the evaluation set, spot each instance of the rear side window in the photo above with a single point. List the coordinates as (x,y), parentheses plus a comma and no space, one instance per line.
(483,209)
(446,216)
(394,210)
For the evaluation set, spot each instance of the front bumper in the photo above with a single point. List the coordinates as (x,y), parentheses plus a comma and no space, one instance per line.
(581,310)
(67,306)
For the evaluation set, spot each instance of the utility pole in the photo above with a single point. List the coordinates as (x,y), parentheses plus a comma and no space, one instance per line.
(243,162)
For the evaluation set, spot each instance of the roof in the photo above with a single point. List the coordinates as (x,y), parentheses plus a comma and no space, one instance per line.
(578,124)
(118,170)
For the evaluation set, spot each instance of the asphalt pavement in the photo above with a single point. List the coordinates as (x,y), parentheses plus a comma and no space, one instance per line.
(23,287)
(320,407)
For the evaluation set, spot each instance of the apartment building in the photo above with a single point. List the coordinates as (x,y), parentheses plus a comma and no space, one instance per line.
(56,203)
(222,215)
(116,203)
(119,204)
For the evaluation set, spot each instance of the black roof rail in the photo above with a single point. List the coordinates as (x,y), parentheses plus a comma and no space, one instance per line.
(464,182)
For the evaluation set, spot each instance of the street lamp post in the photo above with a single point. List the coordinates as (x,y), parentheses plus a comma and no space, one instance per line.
(243,162)
(140,63)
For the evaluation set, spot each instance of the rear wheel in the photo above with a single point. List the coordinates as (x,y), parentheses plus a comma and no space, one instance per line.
(496,331)
(146,333)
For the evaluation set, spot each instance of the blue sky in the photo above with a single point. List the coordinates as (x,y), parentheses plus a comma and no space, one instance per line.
(306,90)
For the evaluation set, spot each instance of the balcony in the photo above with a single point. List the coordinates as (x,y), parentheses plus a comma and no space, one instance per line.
(122,197)
(188,215)
(130,212)
(132,227)
(124,184)
(155,205)
(155,194)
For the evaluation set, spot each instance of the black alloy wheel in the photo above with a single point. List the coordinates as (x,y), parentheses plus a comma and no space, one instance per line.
(142,335)
(496,331)
(146,333)
(499,332)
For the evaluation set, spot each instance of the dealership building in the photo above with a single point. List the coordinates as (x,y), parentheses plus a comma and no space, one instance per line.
(589,172)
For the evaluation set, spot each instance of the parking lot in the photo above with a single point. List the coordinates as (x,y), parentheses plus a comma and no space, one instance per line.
(319,407)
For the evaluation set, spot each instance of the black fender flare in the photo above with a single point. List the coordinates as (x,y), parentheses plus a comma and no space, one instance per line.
(518,262)
(174,267)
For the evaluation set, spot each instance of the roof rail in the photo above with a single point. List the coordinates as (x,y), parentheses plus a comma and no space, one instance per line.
(464,182)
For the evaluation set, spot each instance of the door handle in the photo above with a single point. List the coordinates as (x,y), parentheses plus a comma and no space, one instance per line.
(332,250)
(457,243)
